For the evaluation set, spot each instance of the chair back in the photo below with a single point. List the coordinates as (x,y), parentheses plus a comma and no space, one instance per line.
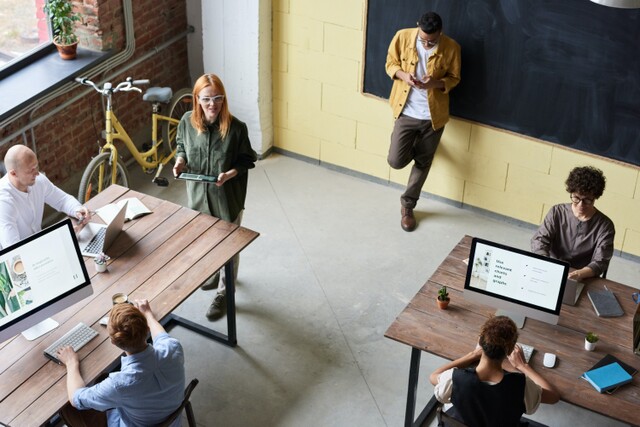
(447,420)
(185,405)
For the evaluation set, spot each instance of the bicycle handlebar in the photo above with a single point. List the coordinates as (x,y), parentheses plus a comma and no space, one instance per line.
(128,85)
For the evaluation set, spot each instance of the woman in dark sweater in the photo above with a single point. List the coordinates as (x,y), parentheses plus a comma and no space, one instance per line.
(488,395)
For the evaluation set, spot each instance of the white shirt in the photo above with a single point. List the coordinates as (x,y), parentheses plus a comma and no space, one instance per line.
(21,213)
(532,391)
(417,105)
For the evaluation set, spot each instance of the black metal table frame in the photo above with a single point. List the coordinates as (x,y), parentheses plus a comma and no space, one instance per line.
(414,371)
(230,339)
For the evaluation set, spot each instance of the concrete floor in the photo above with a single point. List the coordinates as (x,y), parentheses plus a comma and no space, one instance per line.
(317,290)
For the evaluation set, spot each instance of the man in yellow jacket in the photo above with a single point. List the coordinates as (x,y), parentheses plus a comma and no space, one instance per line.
(424,65)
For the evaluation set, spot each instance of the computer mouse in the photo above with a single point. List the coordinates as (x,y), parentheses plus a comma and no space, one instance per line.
(104,321)
(549,360)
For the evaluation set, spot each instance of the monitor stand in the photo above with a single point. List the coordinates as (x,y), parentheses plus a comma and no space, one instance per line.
(40,329)
(517,318)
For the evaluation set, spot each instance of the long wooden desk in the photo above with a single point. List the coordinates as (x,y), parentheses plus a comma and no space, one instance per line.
(453,332)
(162,257)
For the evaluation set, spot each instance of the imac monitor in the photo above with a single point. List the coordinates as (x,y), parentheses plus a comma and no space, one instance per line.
(40,276)
(519,283)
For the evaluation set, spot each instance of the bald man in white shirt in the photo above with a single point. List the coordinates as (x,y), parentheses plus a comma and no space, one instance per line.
(23,194)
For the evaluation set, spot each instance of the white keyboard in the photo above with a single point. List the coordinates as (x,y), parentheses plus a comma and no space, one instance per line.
(527,350)
(76,338)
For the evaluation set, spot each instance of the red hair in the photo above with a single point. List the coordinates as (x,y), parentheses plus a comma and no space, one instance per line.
(198,117)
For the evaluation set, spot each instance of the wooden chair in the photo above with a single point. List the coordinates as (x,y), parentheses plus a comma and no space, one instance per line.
(186,406)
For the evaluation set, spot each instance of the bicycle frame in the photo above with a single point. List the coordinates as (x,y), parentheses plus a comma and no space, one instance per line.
(115,131)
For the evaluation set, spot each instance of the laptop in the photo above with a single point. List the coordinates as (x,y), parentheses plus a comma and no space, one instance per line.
(572,292)
(95,238)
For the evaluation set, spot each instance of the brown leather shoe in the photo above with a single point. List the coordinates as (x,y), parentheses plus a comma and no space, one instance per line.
(408,221)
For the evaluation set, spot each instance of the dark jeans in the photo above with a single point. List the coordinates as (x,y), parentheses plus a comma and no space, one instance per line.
(413,139)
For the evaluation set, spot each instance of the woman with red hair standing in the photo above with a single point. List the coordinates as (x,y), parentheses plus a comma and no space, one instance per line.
(210,141)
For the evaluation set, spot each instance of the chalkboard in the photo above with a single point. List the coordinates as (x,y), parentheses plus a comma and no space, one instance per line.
(564,71)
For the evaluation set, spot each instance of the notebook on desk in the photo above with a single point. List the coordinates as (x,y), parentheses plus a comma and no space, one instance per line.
(95,238)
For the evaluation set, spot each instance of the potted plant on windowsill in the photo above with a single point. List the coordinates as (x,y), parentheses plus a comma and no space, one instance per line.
(590,341)
(443,298)
(63,18)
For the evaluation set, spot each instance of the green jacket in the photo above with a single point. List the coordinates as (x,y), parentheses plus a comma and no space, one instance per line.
(208,154)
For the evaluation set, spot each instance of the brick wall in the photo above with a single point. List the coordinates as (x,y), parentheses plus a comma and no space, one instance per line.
(66,142)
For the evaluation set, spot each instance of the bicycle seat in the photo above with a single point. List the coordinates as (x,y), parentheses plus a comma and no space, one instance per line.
(158,94)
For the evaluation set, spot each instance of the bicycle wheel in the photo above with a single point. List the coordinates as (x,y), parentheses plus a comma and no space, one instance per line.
(90,184)
(181,102)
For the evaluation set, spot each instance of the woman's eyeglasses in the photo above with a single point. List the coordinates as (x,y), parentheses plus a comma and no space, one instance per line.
(211,99)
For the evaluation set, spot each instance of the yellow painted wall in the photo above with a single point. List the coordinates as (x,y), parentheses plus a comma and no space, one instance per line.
(320,112)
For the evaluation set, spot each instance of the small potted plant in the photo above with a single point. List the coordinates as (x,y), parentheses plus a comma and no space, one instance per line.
(101,262)
(590,341)
(63,18)
(443,298)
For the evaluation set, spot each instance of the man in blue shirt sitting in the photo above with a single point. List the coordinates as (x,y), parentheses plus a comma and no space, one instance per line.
(149,385)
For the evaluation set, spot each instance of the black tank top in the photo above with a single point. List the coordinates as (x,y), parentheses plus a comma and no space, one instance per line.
(481,404)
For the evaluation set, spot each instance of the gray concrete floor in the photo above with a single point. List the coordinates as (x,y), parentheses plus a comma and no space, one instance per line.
(317,290)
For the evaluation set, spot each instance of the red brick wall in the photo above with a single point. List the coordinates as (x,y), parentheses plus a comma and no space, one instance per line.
(66,142)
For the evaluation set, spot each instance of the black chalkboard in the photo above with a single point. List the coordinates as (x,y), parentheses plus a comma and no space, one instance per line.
(564,71)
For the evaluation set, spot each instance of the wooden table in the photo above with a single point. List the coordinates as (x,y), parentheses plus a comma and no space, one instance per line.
(454,332)
(162,257)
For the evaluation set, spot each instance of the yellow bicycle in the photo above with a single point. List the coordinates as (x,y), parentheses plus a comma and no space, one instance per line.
(107,168)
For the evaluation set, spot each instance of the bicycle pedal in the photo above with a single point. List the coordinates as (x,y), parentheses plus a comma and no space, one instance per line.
(160,181)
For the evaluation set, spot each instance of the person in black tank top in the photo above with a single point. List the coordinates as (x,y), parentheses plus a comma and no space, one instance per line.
(487,395)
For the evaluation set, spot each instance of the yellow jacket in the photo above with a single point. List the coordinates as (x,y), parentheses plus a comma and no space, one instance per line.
(443,65)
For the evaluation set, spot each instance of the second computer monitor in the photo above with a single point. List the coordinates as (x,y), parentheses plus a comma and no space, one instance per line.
(518,283)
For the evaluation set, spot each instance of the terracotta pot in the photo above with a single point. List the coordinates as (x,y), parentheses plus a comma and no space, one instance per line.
(442,305)
(67,51)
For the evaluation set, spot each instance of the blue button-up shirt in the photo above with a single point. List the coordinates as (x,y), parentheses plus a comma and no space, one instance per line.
(146,390)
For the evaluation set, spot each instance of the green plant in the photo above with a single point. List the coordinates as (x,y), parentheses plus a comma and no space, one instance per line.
(62,17)
(443,295)
(101,258)
(592,337)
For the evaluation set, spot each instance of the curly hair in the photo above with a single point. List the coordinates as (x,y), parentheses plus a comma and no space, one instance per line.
(586,180)
(128,327)
(498,337)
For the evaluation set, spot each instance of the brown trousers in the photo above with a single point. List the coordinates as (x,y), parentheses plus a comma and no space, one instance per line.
(413,139)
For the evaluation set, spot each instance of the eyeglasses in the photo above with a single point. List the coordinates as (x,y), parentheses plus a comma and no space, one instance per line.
(585,201)
(211,99)
(429,43)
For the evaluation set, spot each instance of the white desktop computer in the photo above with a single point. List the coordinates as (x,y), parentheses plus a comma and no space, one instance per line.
(39,277)
(518,283)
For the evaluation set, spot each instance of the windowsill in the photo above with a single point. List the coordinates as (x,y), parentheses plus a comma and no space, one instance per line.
(43,75)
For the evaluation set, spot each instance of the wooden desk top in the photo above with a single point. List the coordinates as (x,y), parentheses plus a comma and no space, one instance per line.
(454,332)
(162,257)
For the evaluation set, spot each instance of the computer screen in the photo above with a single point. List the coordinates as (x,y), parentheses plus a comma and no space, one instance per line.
(520,283)
(40,276)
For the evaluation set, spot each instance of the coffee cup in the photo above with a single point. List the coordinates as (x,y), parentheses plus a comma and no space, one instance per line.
(119,298)
(18,267)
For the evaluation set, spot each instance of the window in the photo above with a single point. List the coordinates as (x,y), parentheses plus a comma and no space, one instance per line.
(24,30)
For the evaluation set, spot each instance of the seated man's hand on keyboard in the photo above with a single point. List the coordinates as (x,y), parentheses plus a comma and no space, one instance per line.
(516,358)
(67,356)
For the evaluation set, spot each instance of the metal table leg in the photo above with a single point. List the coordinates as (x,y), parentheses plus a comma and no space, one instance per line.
(230,339)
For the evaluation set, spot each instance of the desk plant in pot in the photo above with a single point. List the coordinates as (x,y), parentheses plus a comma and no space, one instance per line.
(590,341)
(443,298)
(63,18)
